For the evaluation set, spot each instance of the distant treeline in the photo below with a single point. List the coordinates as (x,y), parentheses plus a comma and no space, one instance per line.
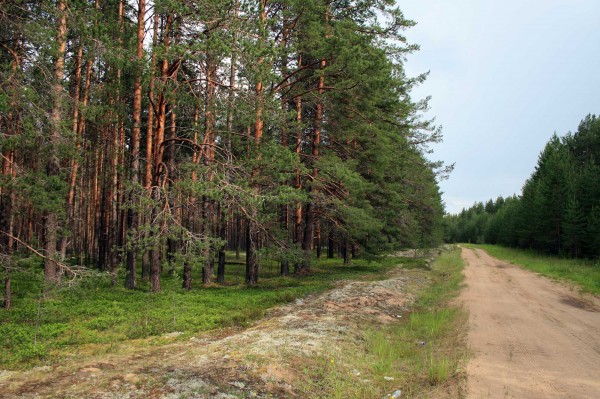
(558,211)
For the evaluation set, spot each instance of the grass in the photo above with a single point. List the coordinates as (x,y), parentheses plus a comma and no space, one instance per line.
(584,273)
(43,329)
(417,355)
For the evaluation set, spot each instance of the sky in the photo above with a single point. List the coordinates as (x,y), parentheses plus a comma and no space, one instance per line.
(504,77)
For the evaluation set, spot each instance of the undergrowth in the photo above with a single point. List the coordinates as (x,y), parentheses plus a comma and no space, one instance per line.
(417,355)
(43,328)
(584,273)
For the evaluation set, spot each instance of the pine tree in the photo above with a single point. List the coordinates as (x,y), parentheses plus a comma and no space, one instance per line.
(281,125)
(573,227)
(592,233)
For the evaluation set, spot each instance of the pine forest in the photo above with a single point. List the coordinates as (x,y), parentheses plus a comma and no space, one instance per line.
(220,199)
(143,139)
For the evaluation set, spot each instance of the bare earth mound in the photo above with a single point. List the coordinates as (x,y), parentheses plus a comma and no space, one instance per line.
(260,362)
(532,337)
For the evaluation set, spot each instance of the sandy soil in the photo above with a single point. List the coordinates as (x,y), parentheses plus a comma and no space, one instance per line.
(531,337)
(260,362)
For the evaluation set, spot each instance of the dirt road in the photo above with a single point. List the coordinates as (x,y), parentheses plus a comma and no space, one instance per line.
(531,337)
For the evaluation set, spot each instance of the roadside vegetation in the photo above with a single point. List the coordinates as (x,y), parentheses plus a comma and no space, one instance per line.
(92,317)
(418,356)
(584,273)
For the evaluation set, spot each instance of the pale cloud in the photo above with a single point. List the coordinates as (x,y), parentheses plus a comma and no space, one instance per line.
(504,77)
(456,204)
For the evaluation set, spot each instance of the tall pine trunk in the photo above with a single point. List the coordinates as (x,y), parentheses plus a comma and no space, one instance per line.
(8,197)
(132,216)
(159,173)
(149,167)
(113,225)
(51,224)
(208,204)
(284,209)
(309,225)
(298,178)
(75,162)
(252,266)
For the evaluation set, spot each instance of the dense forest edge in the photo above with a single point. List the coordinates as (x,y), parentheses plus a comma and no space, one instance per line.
(558,211)
(166,133)
(159,150)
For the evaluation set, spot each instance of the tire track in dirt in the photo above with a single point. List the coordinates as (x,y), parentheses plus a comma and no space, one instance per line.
(531,337)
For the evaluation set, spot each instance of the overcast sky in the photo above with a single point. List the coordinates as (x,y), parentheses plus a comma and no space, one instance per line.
(504,76)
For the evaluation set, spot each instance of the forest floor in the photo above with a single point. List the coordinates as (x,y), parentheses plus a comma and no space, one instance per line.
(303,349)
(531,337)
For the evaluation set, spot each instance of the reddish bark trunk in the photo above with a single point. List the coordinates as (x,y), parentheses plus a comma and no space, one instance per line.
(307,244)
(209,151)
(132,216)
(51,272)
(252,238)
(298,181)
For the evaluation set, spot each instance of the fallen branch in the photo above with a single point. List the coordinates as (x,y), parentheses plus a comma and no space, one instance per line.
(73,271)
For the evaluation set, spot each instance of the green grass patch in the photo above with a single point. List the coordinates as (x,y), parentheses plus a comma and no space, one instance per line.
(584,273)
(40,329)
(417,355)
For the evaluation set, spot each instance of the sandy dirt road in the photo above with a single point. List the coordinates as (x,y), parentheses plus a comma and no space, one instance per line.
(531,337)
